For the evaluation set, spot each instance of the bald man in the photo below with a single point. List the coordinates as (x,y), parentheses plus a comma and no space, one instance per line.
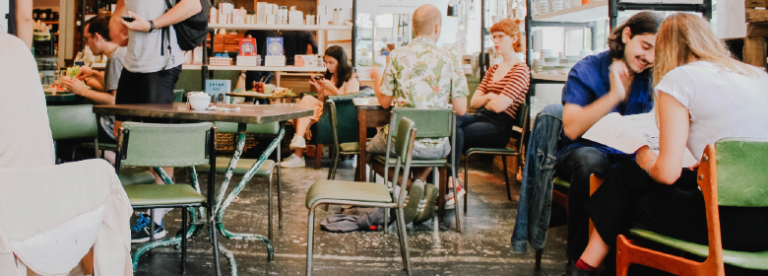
(421,75)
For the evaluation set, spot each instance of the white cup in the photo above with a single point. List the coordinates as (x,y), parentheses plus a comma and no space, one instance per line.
(199,101)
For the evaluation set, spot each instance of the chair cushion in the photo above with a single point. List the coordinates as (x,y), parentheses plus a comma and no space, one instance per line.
(140,195)
(243,165)
(749,260)
(347,190)
(350,147)
(506,151)
(414,162)
(562,183)
(131,176)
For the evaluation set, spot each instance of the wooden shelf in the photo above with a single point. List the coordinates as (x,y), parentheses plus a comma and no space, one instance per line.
(255,68)
(597,10)
(550,77)
(287,27)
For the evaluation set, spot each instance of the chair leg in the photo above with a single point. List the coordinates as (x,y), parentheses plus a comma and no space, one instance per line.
(404,240)
(151,227)
(466,183)
(334,164)
(279,196)
(538,259)
(506,176)
(318,155)
(215,240)
(269,207)
(183,240)
(457,201)
(310,238)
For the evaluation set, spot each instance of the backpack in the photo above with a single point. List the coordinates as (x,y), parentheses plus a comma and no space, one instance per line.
(191,32)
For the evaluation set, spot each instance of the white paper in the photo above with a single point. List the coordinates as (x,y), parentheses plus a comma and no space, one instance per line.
(629,133)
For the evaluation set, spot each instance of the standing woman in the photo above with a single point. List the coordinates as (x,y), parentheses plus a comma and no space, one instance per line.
(702,96)
(497,98)
(339,80)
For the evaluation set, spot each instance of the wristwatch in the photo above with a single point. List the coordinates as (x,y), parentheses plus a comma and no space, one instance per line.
(151,26)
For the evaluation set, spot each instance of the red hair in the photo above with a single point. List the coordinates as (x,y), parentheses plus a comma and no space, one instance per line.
(511,28)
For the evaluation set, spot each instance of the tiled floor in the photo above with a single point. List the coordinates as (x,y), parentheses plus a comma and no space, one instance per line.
(482,249)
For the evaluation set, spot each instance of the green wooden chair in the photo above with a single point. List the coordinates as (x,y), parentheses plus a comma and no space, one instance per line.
(170,145)
(731,173)
(432,123)
(245,164)
(367,194)
(348,148)
(79,122)
(522,123)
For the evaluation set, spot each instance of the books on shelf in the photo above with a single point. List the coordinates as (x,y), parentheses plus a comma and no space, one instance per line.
(248,60)
(278,61)
(220,61)
(275,46)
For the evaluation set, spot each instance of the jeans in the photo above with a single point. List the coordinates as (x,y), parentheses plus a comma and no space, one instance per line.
(481,130)
(576,167)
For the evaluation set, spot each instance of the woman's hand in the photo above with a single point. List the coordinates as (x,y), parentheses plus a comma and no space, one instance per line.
(139,24)
(315,84)
(75,85)
(644,156)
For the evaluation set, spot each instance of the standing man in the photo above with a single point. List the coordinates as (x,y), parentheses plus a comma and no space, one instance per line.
(421,75)
(152,64)
(617,80)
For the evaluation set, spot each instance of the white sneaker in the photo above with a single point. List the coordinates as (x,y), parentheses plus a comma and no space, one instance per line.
(293,161)
(298,142)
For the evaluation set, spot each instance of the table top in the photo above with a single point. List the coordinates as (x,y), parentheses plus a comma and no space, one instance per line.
(367,103)
(255,95)
(250,114)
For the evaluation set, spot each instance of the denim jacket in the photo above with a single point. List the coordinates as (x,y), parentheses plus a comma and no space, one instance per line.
(534,207)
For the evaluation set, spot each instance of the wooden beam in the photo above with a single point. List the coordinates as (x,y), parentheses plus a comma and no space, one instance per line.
(753,15)
(754,51)
(749,4)
(757,30)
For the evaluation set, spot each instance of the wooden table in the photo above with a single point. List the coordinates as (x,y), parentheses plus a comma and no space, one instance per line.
(369,114)
(248,114)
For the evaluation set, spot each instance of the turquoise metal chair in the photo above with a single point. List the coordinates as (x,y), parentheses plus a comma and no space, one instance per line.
(367,194)
(522,123)
(731,173)
(170,145)
(349,148)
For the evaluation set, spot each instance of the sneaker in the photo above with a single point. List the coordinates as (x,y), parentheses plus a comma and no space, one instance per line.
(426,208)
(415,194)
(450,200)
(293,161)
(298,142)
(142,235)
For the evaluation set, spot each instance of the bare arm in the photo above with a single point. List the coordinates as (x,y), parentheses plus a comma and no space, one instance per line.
(117,31)
(77,87)
(460,106)
(499,104)
(674,123)
(577,119)
(24,21)
(384,100)
(180,12)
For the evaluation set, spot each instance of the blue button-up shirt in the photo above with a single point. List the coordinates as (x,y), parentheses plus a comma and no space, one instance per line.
(588,81)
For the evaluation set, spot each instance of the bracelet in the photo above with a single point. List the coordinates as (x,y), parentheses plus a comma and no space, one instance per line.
(649,166)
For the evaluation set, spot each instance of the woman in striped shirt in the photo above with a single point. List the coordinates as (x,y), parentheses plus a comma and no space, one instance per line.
(498,97)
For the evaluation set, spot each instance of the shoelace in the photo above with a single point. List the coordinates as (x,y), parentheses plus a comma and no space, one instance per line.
(141,222)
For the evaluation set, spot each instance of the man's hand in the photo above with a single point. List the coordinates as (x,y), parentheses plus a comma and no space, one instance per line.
(74,85)
(139,24)
(619,79)
(85,72)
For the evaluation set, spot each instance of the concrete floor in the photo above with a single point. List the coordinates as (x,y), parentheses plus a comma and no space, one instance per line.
(482,249)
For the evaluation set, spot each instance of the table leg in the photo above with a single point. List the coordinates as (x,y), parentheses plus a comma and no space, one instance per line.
(362,138)
(277,78)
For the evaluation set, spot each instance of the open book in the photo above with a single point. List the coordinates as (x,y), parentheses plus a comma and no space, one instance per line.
(629,133)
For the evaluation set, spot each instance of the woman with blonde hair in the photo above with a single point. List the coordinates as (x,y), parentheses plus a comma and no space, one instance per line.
(702,96)
(498,97)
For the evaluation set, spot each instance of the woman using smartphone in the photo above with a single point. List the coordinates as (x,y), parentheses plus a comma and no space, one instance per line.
(339,79)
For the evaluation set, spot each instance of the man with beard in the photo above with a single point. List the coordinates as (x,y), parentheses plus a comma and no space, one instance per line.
(591,92)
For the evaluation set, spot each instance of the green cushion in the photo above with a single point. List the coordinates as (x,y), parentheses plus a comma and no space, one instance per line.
(347,190)
(562,183)
(350,147)
(131,176)
(141,195)
(506,151)
(72,122)
(243,165)
(749,260)
(414,162)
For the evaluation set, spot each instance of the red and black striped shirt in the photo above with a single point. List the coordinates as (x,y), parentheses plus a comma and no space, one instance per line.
(514,85)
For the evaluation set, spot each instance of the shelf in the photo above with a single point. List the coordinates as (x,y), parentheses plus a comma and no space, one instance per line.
(287,27)
(550,77)
(597,10)
(255,68)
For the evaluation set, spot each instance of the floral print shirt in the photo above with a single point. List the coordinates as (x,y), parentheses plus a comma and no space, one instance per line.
(424,75)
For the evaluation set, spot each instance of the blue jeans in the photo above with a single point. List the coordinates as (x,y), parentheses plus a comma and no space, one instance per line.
(477,130)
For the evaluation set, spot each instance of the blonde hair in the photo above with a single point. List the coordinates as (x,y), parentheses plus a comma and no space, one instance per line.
(682,36)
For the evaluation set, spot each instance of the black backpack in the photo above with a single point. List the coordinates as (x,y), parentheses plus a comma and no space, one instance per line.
(191,32)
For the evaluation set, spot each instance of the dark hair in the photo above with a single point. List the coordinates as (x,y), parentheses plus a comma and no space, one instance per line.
(344,69)
(99,25)
(638,24)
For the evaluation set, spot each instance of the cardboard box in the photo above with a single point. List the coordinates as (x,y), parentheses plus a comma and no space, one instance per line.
(305,61)
(261,12)
(247,47)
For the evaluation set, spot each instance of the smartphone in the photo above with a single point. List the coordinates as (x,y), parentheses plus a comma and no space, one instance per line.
(128,18)
(317,78)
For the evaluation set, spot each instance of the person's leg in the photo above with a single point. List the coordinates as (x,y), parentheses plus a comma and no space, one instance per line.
(298,143)
(576,167)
